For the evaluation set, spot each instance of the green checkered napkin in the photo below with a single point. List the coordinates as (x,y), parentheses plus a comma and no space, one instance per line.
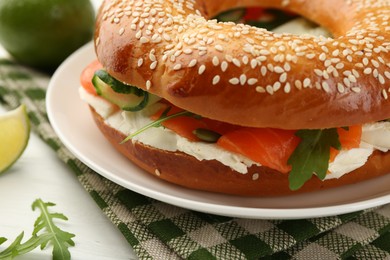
(156,230)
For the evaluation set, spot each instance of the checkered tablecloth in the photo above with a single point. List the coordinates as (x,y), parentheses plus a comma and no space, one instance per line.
(156,230)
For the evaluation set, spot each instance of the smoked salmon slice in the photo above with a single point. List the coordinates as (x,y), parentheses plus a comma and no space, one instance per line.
(87,75)
(267,146)
(349,138)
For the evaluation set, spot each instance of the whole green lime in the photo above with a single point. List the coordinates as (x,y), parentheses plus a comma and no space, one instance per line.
(42,33)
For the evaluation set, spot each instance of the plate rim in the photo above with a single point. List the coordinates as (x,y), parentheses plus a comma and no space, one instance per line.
(217,209)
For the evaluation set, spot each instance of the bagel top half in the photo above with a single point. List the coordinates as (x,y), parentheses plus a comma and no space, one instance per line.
(249,76)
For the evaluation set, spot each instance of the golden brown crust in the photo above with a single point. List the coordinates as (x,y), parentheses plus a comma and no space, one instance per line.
(187,171)
(250,76)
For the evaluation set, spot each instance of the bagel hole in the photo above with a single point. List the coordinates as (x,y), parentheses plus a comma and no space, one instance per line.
(274,20)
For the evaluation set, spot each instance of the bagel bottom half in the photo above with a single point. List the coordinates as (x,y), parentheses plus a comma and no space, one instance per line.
(185,170)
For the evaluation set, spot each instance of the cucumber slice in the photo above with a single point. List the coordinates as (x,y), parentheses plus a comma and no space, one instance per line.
(127,97)
(118,86)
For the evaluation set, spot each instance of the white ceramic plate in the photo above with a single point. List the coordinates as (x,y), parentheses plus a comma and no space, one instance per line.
(71,120)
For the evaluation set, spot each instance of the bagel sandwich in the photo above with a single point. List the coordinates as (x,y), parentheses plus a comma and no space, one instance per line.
(235,109)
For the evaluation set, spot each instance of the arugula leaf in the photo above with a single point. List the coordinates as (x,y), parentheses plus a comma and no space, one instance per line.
(45,231)
(16,248)
(61,240)
(157,123)
(312,155)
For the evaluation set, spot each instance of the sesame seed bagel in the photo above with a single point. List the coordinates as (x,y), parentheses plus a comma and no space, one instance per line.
(249,76)
(185,170)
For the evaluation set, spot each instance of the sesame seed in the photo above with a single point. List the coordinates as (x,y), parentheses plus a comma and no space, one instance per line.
(236,62)
(375,63)
(187,51)
(347,82)
(253,63)
(192,63)
(310,56)
(228,58)
(234,81)
(153,65)
(177,66)
(265,52)
(260,89)
(354,41)
(255,176)
(355,73)
(298,84)
(306,82)
(318,72)
(166,37)
(277,86)
(356,89)
(140,62)
(252,81)
(215,61)
(148,84)
(384,93)
(219,47)
(263,70)
(216,80)
(339,66)
(340,87)
(352,78)
(367,71)
(201,69)
(245,60)
(283,77)
(375,73)
(178,53)
(270,89)
(278,69)
(381,79)
(243,79)
(287,66)
(322,57)
(224,66)
(164,57)
(152,57)
(325,86)
(325,74)
(287,88)
(144,39)
(270,67)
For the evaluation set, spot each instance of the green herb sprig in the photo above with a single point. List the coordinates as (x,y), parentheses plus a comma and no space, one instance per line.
(45,232)
(312,155)
(157,123)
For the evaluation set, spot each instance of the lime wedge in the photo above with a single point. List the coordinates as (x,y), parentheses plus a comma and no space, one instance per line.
(14,136)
